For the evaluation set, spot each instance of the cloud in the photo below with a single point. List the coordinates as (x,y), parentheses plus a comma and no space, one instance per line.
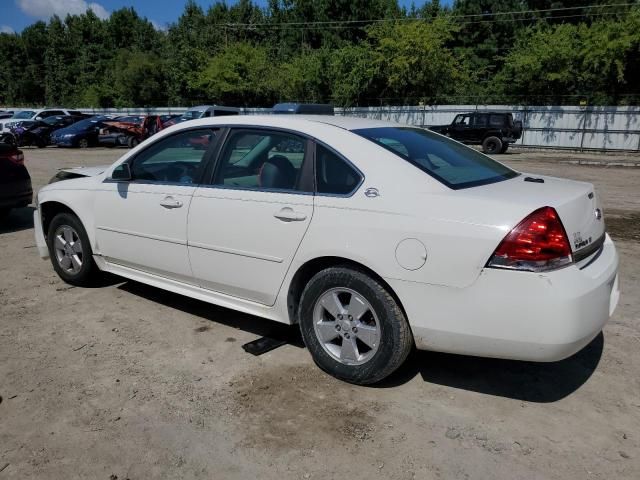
(45,9)
(158,26)
(6,29)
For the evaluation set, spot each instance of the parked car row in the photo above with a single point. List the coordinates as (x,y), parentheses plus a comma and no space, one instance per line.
(37,133)
(83,130)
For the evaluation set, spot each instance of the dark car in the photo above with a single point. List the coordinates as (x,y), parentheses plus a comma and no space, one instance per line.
(303,108)
(81,134)
(38,132)
(493,130)
(15,182)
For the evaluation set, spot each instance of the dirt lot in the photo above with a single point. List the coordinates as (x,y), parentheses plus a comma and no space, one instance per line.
(129,381)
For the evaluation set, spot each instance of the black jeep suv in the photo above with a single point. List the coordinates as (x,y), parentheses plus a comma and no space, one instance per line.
(493,130)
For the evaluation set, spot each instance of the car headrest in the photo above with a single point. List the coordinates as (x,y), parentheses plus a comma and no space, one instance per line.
(277,172)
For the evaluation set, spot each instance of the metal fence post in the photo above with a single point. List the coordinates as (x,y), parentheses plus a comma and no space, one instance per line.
(525,117)
(584,125)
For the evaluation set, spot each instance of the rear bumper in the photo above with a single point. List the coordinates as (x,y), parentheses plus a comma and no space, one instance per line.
(516,315)
(16,194)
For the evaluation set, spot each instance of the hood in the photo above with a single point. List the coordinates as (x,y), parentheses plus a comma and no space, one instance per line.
(85,171)
(77,172)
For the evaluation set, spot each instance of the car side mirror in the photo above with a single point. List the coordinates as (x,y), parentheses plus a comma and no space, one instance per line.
(122,172)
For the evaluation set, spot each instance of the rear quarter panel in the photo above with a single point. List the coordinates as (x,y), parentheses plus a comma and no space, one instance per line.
(459,233)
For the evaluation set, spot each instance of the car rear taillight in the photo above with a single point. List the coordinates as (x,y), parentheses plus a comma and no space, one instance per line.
(537,243)
(17,158)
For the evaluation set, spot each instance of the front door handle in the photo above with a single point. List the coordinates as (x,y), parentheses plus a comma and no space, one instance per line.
(287,214)
(170,202)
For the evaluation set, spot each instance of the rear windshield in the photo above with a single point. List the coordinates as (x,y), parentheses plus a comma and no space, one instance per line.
(452,163)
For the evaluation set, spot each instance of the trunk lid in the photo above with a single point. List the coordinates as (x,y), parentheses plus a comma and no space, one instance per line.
(577,205)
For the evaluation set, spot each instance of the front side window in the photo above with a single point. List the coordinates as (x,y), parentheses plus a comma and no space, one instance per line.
(260,159)
(334,176)
(463,120)
(175,159)
(450,162)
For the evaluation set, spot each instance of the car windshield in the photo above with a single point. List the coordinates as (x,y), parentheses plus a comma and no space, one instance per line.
(25,114)
(192,114)
(52,120)
(88,123)
(450,162)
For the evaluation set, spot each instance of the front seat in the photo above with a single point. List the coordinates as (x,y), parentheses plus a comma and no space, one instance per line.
(277,172)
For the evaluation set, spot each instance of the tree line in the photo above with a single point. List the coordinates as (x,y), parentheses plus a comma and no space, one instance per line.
(345,52)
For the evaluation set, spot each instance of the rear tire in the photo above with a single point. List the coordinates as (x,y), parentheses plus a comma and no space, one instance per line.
(70,250)
(491,145)
(133,142)
(367,336)
(83,143)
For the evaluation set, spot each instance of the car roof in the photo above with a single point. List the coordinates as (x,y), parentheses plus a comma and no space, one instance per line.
(292,121)
(200,108)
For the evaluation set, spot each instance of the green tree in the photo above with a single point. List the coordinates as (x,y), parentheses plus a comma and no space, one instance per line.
(242,74)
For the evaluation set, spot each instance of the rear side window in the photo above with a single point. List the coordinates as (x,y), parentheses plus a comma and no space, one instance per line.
(334,176)
(496,120)
(481,120)
(448,161)
(262,160)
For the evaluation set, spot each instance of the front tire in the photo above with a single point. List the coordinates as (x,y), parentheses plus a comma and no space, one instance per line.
(504,148)
(83,143)
(70,250)
(353,327)
(491,145)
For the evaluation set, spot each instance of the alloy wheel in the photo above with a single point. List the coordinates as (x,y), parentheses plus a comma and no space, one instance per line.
(68,249)
(346,326)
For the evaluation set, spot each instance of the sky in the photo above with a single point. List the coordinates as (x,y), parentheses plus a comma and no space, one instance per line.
(17,14)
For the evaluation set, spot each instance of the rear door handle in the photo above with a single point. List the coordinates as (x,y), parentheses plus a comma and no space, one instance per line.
(170,202)
(287,214)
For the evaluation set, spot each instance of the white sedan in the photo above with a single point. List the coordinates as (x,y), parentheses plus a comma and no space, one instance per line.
(374,237)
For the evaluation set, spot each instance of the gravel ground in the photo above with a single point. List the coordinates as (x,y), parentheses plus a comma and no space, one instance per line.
(128,381)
